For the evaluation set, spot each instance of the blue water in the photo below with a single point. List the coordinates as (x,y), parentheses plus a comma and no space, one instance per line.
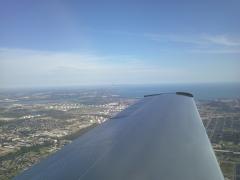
(200,91)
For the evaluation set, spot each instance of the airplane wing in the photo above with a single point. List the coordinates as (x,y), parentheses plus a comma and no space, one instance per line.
(160,137)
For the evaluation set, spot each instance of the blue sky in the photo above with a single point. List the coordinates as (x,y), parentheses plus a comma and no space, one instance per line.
(66,43)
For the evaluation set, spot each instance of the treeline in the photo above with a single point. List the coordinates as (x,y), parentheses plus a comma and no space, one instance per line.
(79,132)
(37,147)
(23,150)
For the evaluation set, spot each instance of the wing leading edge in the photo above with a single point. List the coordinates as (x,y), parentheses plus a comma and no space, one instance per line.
(160,137)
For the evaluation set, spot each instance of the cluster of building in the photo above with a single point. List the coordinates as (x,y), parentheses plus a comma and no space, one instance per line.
(32,129)
(221,119)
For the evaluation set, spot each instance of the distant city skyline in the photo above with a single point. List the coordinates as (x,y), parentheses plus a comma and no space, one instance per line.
(73,43)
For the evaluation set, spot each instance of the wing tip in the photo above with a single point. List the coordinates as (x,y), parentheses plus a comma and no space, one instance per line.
(177,93)
(185,94)
(148,95)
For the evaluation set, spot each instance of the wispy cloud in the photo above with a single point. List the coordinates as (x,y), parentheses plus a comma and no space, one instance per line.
(215,50)
(174,38)
(204,43)
(223,40)
(195,39)
(20,67)
(29,68)
(206,40)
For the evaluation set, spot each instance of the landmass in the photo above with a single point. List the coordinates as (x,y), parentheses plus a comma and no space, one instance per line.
(35,124)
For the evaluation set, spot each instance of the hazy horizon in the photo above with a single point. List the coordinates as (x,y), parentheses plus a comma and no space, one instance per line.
(79,43)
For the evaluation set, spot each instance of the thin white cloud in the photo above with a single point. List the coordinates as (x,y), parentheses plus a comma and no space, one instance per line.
(197,39)
(174,38)
(30,68)
(215,50)
(222,40)
(20,67)
(206,40)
